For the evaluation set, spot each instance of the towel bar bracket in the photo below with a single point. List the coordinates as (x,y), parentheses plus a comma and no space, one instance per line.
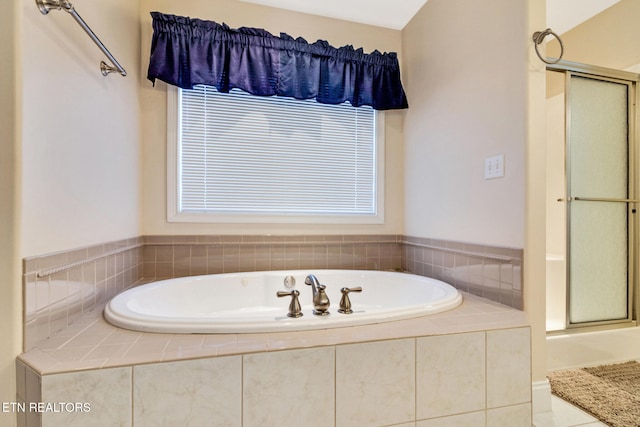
(45,6)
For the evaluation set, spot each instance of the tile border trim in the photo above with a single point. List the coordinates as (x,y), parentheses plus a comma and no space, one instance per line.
(48,272)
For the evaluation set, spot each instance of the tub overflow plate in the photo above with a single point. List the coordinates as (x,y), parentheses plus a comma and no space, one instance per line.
(289,282)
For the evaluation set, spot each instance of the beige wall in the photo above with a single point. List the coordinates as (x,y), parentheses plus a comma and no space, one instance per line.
(610,39)
(477,92)
(10,290)
(69,158)
(312,28)
(535,190)
(465,75)
(80,134)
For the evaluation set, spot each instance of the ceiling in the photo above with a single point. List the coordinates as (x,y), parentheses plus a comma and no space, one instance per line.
(562,15)
(381,13)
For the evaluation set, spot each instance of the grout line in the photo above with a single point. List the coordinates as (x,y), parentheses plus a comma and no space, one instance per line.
(92,323)
(277,243)
(131,391)
(486,378)
(415,380)
(335,385)
(242,356)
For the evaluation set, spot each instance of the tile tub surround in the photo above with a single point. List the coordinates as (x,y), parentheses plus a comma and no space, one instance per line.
(466,367)
(59,287)
(177,256)
(491,272)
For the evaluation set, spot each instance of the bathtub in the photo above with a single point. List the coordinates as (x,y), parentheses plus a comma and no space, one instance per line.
(247,302)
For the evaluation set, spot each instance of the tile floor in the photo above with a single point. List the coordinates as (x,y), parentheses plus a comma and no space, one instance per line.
(565,415)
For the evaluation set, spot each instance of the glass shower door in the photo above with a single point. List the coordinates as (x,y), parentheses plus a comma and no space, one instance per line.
(599,206)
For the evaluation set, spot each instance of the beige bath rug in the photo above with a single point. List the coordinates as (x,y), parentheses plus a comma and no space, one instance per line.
(610,393)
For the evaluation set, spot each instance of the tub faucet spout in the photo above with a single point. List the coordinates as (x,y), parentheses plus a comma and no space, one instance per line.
(320,298)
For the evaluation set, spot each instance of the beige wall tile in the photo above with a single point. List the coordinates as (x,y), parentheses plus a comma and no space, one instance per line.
(508,367)
(189,393)
(375,383)
(510,416)
(473,419)
(107,391)
(294,387)
(450,374)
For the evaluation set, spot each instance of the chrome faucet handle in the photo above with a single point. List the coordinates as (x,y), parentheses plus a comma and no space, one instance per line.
(294,307)
(345,302)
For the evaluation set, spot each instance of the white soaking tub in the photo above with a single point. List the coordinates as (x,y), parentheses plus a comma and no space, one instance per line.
(247,302)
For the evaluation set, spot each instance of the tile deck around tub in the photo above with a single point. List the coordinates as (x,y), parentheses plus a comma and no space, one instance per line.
(92,343)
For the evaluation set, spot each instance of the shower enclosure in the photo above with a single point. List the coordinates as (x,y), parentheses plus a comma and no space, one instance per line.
(593,199)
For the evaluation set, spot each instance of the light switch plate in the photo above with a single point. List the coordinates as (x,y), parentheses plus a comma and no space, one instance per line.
(494,167)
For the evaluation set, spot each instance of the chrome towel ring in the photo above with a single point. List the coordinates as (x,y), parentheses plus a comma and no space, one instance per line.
(538,37)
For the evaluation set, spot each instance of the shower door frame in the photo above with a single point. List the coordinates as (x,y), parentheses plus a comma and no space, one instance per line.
(631,80)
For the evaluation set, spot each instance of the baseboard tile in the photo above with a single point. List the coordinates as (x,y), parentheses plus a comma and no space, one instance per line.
(541,396)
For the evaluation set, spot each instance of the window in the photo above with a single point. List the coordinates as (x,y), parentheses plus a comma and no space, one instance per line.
(237,157)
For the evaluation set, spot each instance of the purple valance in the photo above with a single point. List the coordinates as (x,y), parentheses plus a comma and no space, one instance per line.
(187,52)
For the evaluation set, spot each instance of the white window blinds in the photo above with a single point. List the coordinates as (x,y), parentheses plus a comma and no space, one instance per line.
(245,154)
